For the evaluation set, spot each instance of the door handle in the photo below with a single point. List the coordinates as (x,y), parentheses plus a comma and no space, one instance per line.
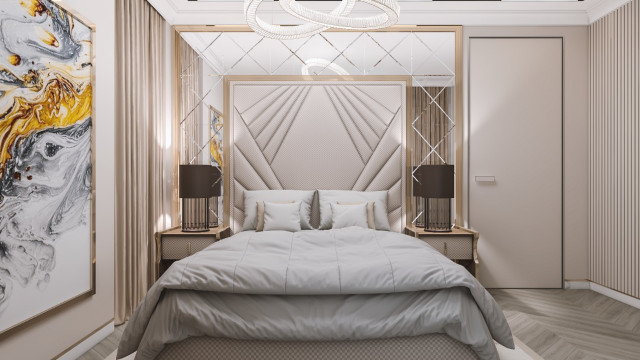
(485,179)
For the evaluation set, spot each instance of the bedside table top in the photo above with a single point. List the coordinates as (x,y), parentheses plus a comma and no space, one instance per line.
(178,231)
(455,231)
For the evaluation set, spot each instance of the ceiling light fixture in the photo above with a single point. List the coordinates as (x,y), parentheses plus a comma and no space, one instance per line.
(324,64)
(319,21)
(288,32)
(390,16)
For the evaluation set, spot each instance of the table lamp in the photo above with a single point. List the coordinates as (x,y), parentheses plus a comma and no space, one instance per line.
(437,184)
(198,183)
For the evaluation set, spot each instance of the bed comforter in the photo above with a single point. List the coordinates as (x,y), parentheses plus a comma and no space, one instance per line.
(345,284)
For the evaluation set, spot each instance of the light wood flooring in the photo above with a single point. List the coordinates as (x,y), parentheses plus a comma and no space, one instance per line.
(572,324)
(556,324)
(105,347)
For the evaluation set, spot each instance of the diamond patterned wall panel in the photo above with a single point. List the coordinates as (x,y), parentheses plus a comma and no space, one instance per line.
(428,57)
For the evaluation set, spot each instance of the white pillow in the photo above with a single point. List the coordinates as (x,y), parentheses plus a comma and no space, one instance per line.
(326,197)
(252,197)
(260,222)
(349,215)
(285,217)
(371,220)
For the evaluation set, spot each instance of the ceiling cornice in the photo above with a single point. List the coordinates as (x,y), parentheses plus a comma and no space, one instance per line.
(604,7)
(468,13)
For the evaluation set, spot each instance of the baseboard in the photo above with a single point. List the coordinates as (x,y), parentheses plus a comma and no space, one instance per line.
(616,295)
(87,343)
(624,298)
(577,284)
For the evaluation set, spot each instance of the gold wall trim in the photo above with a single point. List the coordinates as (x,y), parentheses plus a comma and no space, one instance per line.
(458,98)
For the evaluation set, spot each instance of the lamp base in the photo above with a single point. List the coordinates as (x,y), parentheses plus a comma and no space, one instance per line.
(437,215)
(194,231)
(437,230)
(195,214)
(213,212)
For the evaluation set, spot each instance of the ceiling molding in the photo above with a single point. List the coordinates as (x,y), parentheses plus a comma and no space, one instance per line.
(166,8)
(468,13)
(603,8)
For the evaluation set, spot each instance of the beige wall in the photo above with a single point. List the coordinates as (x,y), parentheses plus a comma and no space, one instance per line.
(614,235)
(49,337)
(575,136)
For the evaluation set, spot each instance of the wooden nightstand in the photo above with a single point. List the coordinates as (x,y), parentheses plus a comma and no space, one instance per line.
(173,244)
(459,245)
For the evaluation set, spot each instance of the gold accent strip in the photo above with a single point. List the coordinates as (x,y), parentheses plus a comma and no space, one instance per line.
(175,127)
(459,133)
(83,339)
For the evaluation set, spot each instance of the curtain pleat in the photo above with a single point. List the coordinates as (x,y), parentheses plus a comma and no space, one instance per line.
(141,204)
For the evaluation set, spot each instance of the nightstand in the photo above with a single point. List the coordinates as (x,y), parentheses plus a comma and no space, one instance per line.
(459,245)
(173,244)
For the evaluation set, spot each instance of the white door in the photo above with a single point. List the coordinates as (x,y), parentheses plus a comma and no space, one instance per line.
(515,160)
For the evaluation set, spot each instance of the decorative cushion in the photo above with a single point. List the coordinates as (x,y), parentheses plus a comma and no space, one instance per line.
(285,217)
(379,198)
(349,215)
(371,222)
(260,204)
(252,197)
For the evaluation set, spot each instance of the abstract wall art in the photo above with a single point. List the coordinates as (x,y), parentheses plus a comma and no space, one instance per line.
(217,159)
(47,242)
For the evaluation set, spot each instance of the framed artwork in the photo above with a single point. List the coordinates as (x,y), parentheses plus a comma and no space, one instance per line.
(217,158)
(215,138)
(47,238)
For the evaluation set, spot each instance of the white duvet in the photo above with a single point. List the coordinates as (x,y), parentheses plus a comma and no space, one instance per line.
(345,284)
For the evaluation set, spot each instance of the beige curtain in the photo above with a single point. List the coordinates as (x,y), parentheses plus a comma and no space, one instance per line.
(143,205)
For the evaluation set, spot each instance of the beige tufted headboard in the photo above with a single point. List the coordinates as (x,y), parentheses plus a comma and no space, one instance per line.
(315,134)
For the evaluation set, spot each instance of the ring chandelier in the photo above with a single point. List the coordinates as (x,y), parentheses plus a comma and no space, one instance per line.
(317,22)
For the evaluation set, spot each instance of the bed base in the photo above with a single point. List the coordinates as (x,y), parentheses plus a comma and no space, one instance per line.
(432,346)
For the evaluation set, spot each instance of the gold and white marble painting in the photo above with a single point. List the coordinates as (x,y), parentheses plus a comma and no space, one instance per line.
(45,158)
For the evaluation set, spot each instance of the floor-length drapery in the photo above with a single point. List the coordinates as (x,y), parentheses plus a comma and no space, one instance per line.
(143,206)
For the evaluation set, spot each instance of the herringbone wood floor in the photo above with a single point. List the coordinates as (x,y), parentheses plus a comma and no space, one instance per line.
(556,324)
(572,324)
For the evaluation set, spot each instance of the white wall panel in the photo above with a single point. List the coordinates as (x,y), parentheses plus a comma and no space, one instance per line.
(515,135)
(614,120)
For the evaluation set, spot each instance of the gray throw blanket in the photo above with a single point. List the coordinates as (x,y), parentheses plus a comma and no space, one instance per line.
(350,284)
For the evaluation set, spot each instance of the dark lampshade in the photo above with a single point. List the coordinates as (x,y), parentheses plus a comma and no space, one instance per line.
(437,181)
(199,181)
(416,180)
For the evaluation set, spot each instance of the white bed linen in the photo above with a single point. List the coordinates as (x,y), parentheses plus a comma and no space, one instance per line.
(365,284)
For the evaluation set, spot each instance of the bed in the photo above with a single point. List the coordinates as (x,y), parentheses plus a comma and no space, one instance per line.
(350,284)
(348,293)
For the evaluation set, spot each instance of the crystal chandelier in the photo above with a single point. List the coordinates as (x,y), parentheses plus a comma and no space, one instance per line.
(316,21)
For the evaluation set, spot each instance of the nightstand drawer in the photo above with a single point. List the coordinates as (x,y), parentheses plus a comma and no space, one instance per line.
(178,247)
(456,248)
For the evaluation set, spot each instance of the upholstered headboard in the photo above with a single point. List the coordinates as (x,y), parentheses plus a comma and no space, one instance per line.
(306,135)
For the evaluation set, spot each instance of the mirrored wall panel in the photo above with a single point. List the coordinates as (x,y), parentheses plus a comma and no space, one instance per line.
(429,57)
